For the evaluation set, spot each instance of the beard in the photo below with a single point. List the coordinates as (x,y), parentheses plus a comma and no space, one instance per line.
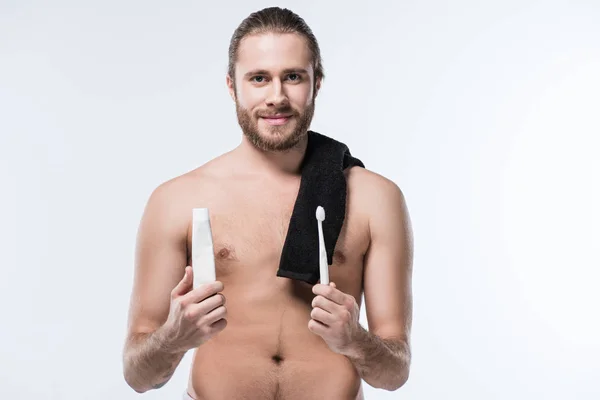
(276,137)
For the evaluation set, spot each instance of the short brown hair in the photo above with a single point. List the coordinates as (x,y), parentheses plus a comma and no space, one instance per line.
(275,20)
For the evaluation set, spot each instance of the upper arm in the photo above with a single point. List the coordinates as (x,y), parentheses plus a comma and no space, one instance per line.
(388,263)
(160,260)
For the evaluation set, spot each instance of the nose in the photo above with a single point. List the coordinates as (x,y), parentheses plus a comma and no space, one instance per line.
(276,96)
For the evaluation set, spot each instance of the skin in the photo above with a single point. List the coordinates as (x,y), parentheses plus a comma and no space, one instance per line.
(265,336)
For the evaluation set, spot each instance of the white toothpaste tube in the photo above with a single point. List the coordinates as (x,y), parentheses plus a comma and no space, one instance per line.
(203,256)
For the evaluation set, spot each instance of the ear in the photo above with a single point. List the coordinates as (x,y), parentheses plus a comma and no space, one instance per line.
(317,87)
(230,86)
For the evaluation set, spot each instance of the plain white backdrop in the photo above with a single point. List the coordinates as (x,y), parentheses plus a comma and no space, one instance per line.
(486,114)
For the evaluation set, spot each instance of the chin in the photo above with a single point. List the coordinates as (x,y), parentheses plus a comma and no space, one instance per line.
(275,140)
(277,132)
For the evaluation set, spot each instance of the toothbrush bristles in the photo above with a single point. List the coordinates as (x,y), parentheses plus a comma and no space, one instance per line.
(320,213)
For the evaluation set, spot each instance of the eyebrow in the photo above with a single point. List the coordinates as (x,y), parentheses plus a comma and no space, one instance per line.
(265,72)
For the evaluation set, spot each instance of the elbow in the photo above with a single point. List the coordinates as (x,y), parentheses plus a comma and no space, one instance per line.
(139,390)
(133,384)
(393,385)
(129,377)
(130,381)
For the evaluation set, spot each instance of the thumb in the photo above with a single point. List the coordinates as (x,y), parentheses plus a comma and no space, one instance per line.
(185,284)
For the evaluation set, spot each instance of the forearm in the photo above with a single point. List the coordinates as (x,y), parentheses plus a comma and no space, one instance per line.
(382,363)
(148,362)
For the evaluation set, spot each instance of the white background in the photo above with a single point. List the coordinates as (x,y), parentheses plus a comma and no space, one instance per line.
(485,113)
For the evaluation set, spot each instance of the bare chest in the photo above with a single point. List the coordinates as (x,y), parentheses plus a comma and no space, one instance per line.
(250,225)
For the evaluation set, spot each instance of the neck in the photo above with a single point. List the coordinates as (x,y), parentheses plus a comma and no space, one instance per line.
(272,163)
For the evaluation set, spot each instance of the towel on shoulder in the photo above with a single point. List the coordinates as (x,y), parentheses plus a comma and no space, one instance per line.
(323,184)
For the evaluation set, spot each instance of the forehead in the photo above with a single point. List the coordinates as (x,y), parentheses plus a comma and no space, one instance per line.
(273,52)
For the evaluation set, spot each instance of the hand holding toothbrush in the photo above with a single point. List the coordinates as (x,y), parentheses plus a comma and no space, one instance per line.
(335,314)
(334,317)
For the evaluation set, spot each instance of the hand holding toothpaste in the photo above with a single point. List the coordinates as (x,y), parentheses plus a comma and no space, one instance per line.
(196,314)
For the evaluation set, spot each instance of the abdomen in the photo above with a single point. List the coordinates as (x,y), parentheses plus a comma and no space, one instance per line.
(267,352)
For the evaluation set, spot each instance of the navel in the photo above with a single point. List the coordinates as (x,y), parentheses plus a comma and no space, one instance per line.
(277,359)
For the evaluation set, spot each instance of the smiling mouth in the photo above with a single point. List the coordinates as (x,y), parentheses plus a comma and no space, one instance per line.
(276,120)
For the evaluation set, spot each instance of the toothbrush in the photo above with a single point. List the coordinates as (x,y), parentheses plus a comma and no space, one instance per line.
(323,266)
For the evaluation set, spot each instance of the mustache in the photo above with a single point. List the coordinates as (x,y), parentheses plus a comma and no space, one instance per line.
(274,113)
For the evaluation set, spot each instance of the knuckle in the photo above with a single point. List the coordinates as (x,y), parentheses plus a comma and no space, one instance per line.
(187,314)
(346,316)
(201,326)
(179,304)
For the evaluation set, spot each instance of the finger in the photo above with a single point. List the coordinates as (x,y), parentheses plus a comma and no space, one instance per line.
(185,284)
(214,316)
(322,316)
(202,292)
(325,304)
(317,327)
(218,326)
(197,310)
(330,292)
(332,284)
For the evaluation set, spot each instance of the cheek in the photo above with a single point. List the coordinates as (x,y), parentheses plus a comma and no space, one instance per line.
(302,96)
(247,98)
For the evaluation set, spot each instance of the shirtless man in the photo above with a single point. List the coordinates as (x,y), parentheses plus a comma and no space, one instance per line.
(256,335)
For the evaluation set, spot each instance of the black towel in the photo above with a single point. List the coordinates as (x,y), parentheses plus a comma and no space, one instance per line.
(323,184)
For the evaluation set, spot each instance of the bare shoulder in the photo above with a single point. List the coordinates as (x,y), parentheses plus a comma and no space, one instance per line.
(374,192)
(364,178)
(191,185)
(168,209)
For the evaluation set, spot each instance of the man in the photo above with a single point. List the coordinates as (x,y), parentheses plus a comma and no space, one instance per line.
(257,335)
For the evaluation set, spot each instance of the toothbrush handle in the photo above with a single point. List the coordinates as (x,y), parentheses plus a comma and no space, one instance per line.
(323,266)
(324,269)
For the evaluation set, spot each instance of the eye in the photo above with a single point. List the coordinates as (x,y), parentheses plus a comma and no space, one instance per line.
(258,79)
(294,77)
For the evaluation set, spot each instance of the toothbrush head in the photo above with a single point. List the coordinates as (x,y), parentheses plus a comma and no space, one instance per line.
(320,213)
